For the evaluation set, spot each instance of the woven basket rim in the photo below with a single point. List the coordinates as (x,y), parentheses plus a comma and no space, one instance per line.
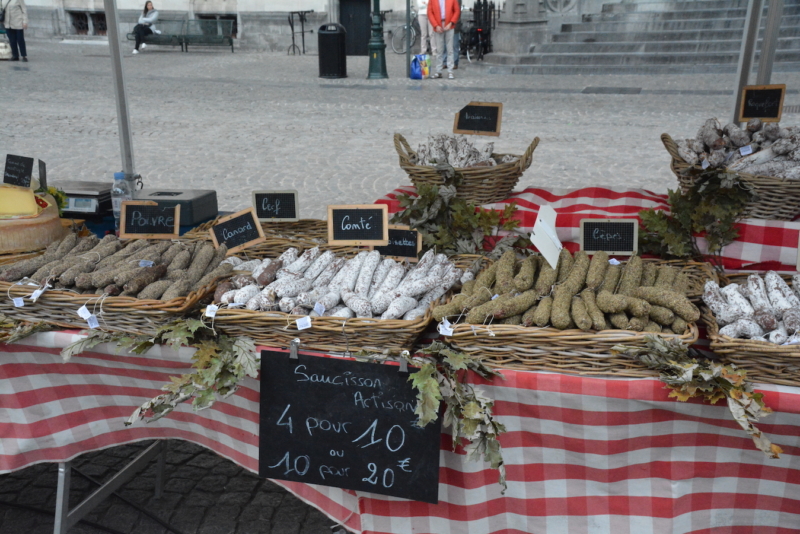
(466,330)
(718,341)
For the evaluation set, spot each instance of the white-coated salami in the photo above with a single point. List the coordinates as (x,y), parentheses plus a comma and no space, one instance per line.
(227,298)
(398,307)
(286,304)
(351,277)
(327,276)
(777,299)
(737,300)
(289,256)
(791,319)
(779,335)
(293,288)
(358,304)
(380,275)
(305,260)
(330,300)
(248,265)
(391,281)
(333,311)
(364,280)
(743,328)
(319,265)
(246,293)
(757,293)
(260,269)
(309,298)
(344,313)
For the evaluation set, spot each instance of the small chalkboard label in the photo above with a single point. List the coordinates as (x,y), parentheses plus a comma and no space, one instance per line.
(404,243)
(345,424)
(18,170)
(763,102)
(479,118)
(276,205)
(358,224)
(238,231)
(618,237)
(148,220)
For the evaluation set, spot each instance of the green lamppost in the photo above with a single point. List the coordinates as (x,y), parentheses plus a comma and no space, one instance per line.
(377,48)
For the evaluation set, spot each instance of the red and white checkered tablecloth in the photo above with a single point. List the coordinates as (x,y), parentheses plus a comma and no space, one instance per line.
(584,455)
(761,245)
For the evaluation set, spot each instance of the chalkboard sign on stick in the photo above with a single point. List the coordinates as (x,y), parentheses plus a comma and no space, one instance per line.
(618,237)
(148,220)
(404,243)
(763,102)
(358,224)
(276,205)
(345,424)
(238,231)
(42,175)
(18,170)
(479,118)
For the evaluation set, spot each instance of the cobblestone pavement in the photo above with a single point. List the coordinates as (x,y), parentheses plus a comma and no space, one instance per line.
(238,122)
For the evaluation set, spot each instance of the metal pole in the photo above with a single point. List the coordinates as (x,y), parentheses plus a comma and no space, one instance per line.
(123,120)
(376,46)
(408,39)
(770,41)
(746,53)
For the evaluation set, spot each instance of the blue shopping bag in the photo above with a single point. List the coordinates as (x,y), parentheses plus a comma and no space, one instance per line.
(416,68)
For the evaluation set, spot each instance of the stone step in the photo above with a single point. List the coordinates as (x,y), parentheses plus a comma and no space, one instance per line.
(644,58)
(671,25)
(673,35)
(685,14)
(626,69)
(656,47)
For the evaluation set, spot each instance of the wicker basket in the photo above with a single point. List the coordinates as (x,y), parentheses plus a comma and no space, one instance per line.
(778,198)
(562,351)
(763,361)
(332,334)
(698,272)
(6,259)
(481,185)
(115,314)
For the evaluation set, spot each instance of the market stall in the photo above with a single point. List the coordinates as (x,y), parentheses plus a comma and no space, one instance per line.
(554,357)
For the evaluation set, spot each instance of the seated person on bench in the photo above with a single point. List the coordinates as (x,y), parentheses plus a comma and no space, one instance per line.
(145,26)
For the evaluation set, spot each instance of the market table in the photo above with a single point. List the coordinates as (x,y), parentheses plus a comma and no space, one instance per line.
(583,454)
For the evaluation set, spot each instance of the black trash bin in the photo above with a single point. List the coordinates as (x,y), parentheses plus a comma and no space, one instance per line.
(332,56)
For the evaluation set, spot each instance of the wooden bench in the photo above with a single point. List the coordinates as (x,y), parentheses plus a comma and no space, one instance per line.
(208,33)
(171,34)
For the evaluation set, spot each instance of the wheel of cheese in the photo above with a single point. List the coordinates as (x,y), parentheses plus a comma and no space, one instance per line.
(30,234)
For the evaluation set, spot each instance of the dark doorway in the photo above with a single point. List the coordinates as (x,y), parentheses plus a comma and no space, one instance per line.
(354,16)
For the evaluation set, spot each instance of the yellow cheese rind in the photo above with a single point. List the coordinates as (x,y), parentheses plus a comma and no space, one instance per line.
(26,235)
(17,201)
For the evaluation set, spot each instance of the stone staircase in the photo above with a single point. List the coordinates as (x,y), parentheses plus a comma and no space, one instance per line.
(658,38)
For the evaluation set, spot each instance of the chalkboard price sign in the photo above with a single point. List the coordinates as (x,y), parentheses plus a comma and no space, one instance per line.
(479,118)
(616,236)
(345,424)
(18,170)
(238,231)
(148,220)
(404,243)
(358,224)
(763,102)
(42,174)
(276,205)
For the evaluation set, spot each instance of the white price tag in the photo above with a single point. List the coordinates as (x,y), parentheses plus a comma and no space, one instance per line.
(92,322)
(236,305)
(746,150)
(494,297)
(613,261)
(303,323)
(18,302)
(145,263)
(211,310)
(84,313)
(705,164)
(319,308)
(37,294)
(445,328)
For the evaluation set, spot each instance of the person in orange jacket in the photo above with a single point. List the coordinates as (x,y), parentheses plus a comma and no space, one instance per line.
(443,15)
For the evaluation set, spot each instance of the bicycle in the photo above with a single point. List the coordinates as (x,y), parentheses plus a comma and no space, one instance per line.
(473,44)
(404,37)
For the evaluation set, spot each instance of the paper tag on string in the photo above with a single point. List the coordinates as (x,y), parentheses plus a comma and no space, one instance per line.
(18,302)
(746,150)
(145,263)
(705,164)
(92,322)
(37,294)
(613,261)
(544,236)
(494,297)
(445,328)
(303,323)
(211,310)
(319,308)
(84,313)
